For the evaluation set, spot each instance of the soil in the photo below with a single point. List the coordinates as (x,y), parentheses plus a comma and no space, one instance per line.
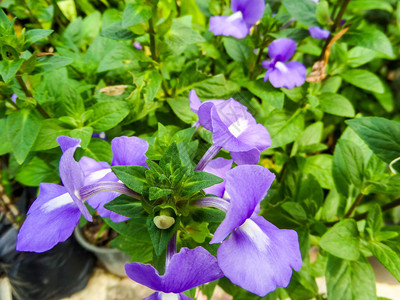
(97,233)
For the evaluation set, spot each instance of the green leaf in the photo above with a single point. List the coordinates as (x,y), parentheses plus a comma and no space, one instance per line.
(23,127)
(133,176)
(374,221)
(171,160)
(139,251)
(126,206)
(295,210)
(352,280)
(8,68)
(266,92)
(336,104)
(320,166)
(160,237)
(5,143)
(284,127)
(50,129)
(157,193)
(381,135)
(133,228)
(342,240)
(303,11)
(36,171)
(107,114)
(198,181)
(47,63)
(387,257)
(136,13)
(181,107)
(181,35)
(369,4)
(364,79)
(99,150)
(237,49)
(371,38)
(348,166)
(34,35)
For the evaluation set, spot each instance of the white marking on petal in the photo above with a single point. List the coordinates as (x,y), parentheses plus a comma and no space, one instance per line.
(169,296)
(97,175)
(102,135)
(238,127)
(254,232)
(237,15)
(226,196)
(57,202)
(281,67)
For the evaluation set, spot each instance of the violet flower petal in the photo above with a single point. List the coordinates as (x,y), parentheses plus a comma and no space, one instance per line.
(94,170)
(288,75)
(187,269)
(194,101)
(51,219)
(250,157)
(233,25)
(204,113)
(99,200)
(282,49)
(259,257)
(218,167)
(252,10)
(164,296)
(129,151)
(247,186)
(71,173)
(319,33)
(257,136)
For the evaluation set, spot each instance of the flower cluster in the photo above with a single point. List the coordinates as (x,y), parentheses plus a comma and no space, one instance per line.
(253,253)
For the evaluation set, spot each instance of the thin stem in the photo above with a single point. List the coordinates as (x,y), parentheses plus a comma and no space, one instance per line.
(28,94)
(340,14)
(355,204)
(207,157)
(152,40)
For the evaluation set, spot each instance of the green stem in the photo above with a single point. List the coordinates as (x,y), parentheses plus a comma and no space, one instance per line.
(355,204)
(29,95)
(152,40)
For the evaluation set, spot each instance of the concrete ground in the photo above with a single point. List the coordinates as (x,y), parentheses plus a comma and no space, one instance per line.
(106,286)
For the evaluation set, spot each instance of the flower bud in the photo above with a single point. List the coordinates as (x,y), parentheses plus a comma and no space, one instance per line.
(163,222)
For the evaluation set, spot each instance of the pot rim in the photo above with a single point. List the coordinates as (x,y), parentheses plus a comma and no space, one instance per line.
(81,239)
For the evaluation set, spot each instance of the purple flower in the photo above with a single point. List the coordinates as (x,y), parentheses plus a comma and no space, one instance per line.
(14,98)
(187,269)
(233,128)
(57,210)
(280,73)
(126,151)
(246,13)
(100,135)
(218,167)
(318,33)
(257,256)
(137,45)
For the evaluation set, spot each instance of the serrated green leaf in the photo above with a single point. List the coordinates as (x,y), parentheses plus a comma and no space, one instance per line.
(342,240)
(171,161)
(132,176)
(8,68)
(157,193)
(198,181)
